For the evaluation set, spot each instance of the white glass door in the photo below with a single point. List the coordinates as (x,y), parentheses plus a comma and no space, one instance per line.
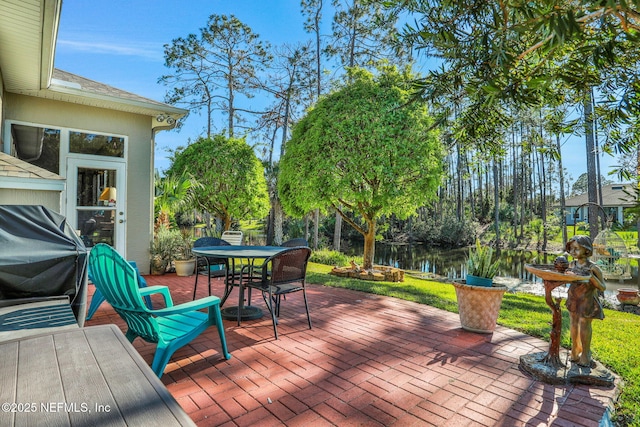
(96,201)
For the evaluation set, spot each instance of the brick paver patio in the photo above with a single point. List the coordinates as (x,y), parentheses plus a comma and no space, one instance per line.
(369,361)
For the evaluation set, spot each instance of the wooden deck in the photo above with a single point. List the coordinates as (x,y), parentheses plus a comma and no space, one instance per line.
(33,318)
(82,377)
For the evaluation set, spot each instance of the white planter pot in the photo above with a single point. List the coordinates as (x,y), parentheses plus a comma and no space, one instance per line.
(185,267)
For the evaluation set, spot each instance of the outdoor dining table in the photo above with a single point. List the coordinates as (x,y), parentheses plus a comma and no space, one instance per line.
(82,376)
(250,253)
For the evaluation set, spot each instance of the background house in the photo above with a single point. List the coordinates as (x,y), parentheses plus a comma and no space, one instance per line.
(80,147)
(614,201)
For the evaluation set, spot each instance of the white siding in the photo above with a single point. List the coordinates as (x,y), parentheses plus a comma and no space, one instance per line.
(49,199)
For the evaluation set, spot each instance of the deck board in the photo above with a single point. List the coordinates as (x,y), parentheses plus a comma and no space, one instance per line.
(80,377)
(8,380)
(39,383)
(141,402)
(35,318)
(84,383)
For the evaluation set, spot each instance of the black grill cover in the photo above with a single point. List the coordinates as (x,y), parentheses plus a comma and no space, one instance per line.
(41,256)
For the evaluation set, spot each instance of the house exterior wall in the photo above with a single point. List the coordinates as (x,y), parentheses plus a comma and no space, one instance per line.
(139,156)
(1,111)
(615,212)
(48,199)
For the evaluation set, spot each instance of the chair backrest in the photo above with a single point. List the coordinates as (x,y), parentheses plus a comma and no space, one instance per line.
(287,266)
(117,280)
(233,237)
(295,242)
(209,241)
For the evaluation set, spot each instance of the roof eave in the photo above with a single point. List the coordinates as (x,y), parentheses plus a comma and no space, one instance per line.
(51,23)
(79,96)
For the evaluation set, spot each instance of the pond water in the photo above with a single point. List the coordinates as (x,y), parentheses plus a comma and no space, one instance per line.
(451,264)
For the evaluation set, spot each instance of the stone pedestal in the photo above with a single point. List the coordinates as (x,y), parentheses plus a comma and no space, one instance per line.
(537,365)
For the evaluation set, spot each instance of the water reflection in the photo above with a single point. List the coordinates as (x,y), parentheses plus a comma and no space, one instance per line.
(452,263)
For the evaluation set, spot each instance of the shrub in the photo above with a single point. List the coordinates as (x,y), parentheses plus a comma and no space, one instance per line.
(327,257)
(448,232)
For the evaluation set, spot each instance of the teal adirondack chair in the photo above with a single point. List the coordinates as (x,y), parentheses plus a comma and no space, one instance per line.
(97,299)
(171,327)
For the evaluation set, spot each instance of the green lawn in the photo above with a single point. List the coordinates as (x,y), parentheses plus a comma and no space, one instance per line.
(616,339)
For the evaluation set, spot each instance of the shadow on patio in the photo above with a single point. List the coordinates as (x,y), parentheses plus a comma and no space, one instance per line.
(369,360)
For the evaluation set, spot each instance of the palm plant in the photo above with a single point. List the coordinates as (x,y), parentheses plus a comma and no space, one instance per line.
(172,193)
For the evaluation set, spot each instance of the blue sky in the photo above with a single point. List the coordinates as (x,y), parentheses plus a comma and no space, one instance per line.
(120,43)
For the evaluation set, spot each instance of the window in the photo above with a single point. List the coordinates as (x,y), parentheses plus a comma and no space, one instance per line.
(38,146)
(98,145)
(44,147)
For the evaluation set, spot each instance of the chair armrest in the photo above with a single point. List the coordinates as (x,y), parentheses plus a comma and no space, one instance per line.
(198,304)
(246,269)
(157,289)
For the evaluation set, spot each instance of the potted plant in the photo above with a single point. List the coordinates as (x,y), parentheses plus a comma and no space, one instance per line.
(184,261)
(165,244)
(481,268)
(479,304)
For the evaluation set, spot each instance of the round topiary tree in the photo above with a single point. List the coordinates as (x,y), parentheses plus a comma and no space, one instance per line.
(365,150)
(231,176)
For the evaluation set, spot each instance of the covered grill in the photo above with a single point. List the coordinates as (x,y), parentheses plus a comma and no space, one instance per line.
(41,257)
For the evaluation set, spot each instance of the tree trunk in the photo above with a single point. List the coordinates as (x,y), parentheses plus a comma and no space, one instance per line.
(337,232)
(369,246)
(543,198)
(278,217)
(316,226)
(480,190)
(592,185)
(563,207)
(543,214)
(496,195)
(472,195)
(459,185)
(523,195)
(270,227)
(638,184)
(594,119)
(514,159)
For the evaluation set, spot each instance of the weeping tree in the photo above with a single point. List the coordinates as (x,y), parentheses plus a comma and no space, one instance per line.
(365,150)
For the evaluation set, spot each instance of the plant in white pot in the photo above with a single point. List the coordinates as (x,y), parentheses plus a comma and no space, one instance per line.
(479,305)
(163,247)
(185,262)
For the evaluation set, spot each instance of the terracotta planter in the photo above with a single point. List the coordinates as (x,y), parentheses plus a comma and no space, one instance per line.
(628,296)
(185,267)
(479,306)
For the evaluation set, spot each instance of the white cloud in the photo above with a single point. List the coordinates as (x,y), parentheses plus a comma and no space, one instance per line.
(149,51)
